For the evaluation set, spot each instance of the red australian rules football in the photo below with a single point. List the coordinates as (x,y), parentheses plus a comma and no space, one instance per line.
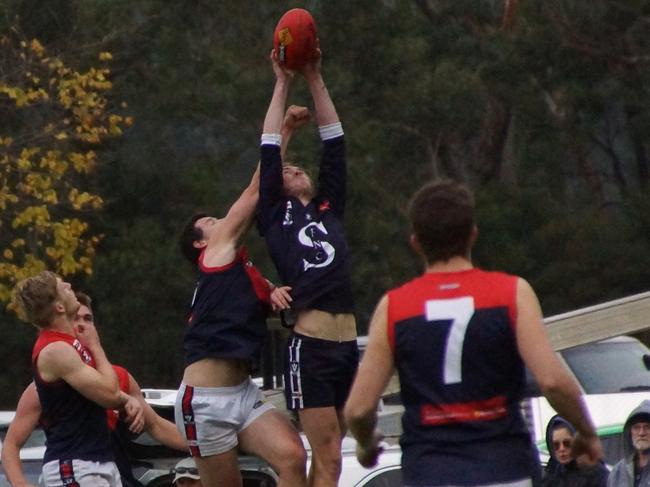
(294,39)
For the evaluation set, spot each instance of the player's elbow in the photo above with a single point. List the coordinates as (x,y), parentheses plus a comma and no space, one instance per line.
(111,399)
(548,385)
(356,412)
(9,453)
(552,385)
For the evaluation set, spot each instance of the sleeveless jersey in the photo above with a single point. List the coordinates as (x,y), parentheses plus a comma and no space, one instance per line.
(228,312)
(307,243)
(454,345)
(75,427)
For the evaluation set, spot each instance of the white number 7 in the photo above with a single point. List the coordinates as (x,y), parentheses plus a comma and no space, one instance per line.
(459,311)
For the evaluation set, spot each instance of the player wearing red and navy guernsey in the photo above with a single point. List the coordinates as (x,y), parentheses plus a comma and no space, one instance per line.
(219,410)
(459,338)
(75,427)
(228,312)
(75,383)
(461,397)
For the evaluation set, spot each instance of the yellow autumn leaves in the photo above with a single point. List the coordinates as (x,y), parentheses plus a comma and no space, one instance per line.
(55,117)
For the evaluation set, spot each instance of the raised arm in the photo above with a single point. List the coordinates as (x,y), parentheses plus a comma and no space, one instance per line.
(240,216)
(554,380)
(275,112)
(323,104)
(271,182)
(295,117)
(332,176)
(375,370)
(28,412)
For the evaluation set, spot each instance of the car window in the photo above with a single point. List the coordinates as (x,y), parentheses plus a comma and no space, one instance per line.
(613,448)
(609,367)
(37,438)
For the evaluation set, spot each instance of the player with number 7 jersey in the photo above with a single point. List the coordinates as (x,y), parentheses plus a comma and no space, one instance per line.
(459,338)
(453,338)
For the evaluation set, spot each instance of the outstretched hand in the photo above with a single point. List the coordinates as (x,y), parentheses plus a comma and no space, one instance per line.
(313,67)
(281,72)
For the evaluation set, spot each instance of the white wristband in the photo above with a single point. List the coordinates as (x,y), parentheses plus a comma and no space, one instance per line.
(330,131)
(271,139)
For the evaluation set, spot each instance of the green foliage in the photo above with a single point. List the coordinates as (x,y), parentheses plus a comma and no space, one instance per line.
(55,119)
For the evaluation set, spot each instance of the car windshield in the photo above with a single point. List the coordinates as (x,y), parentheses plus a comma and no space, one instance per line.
(611,366)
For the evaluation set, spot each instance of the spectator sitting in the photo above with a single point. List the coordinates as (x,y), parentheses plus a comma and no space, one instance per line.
(186,474)
(562,469)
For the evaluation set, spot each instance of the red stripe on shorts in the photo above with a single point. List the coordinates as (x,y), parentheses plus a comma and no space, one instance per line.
(188,420)
(66,472)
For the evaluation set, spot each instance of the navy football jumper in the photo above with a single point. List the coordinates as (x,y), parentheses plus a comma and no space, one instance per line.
(453,337)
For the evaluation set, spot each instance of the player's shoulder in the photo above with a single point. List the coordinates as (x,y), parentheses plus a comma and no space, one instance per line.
(57,355)
(494,275)
(56,348)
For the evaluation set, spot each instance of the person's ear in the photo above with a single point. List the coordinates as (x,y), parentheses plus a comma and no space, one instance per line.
(415,244)
(58,307)
(473,236)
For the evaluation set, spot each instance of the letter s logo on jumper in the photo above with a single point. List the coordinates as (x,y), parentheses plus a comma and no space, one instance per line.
(324,251)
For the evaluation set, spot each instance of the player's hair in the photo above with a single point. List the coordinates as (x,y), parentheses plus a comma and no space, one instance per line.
(84,300)
(190,235)
(34,298)
(441,214)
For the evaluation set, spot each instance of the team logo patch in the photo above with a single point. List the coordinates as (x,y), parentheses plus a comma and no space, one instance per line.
(314,236)
(81,350)
(451,285)
(288,215)
(324,206)
(258,404)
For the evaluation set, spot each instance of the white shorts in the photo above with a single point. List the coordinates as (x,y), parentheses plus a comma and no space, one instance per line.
(210,418)
(82,473)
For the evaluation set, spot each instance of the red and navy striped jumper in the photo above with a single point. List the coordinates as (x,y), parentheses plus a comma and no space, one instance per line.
(453,337)
(75,427)
(228,312)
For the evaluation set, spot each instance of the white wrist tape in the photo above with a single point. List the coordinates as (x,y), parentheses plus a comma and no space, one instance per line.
(271,139)
(330,131)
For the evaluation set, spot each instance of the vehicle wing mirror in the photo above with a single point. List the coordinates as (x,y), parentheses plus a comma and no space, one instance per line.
(646,361)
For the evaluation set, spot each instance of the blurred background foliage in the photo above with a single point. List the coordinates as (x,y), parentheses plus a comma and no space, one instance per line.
(541,107)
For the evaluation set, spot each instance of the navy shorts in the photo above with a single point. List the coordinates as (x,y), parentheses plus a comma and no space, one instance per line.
(318,373)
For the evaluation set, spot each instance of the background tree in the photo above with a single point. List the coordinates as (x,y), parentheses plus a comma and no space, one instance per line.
(54,119)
